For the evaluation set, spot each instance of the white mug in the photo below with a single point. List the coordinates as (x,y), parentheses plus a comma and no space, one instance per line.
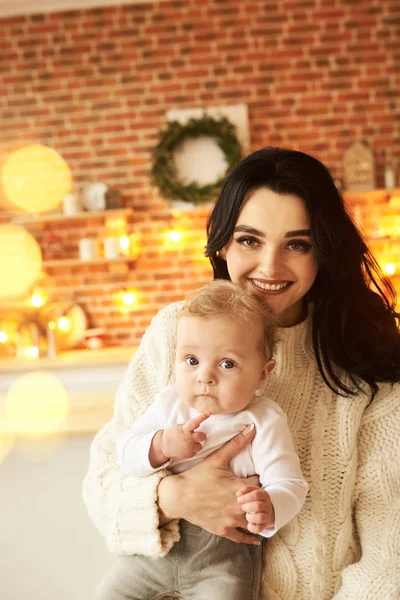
(87,249)
(111,247)
(71,204)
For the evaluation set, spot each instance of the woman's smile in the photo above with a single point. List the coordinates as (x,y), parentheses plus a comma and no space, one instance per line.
(270,287)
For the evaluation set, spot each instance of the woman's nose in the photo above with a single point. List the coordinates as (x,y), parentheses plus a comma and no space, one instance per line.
(270,264)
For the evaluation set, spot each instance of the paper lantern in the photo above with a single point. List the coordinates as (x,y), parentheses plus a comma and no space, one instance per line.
(20,261)
(36,178)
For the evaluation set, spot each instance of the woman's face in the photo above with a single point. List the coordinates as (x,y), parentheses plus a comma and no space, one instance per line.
(270,252)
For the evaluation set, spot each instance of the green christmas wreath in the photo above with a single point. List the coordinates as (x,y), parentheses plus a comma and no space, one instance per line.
(164,172)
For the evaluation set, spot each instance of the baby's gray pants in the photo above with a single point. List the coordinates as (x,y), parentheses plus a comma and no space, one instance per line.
(201,566)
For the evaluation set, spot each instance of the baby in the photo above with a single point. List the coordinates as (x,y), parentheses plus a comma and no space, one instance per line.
(225,341)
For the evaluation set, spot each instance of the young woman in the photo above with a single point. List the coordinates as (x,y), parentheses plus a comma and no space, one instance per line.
(280,228)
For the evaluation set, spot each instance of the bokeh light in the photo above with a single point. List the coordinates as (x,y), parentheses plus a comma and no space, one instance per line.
(174,236)
(63,324)
(31,352)
(389,268)
(20,261)
(37,300)
(6,443)
(133,246)
(36,178)
(124,243)
(36,404)
(129,298)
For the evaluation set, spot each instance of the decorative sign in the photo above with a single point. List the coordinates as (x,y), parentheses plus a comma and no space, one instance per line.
(359,168)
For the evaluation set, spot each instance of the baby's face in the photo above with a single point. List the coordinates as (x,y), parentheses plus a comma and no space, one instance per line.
(219,364)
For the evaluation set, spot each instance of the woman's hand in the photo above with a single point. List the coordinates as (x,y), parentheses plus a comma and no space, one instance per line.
(205,495)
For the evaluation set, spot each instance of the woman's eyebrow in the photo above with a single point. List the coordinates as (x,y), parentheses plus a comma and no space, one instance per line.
(298,232)
(247,229)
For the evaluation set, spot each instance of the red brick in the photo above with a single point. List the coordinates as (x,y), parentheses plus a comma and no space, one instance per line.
(95,84)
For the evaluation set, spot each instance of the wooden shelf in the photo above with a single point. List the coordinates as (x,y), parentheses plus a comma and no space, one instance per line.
(77,262)
(372,195)
(88,214)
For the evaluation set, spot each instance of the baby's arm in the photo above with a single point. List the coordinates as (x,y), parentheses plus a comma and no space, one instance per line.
(177,441)
(276,462)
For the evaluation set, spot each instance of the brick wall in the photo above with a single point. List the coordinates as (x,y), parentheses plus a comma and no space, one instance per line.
(95,85)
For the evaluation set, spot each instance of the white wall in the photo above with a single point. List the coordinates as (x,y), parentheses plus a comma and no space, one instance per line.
(49,549)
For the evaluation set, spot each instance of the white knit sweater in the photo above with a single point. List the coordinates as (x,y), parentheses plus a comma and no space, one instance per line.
(345,543)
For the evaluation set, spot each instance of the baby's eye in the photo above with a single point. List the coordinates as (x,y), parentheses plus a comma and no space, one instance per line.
(192,361)
(227,364)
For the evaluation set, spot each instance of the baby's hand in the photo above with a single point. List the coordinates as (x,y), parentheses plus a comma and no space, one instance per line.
(182,441)
(257,505)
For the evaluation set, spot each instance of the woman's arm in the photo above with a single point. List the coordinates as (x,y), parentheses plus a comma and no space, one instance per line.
(377,504)
(124,508)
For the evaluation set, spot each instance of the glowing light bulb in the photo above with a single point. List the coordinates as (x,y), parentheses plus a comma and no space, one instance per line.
(3,337)
(128,298)
(175,236)
(32,352)
(63,323)
(37,300)
(124,242)
(390,269)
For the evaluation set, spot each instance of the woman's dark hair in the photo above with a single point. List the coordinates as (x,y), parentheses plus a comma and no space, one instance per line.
(354,322)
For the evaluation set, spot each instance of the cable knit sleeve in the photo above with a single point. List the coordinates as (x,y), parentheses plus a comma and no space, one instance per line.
(124,508)
(377,504)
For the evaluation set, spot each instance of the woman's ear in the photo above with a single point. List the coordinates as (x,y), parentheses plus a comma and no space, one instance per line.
(222,253)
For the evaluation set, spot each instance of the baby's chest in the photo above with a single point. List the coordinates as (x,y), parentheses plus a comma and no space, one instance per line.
(242,465)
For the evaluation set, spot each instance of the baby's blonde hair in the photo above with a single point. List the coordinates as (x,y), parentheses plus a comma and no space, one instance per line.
(224,298)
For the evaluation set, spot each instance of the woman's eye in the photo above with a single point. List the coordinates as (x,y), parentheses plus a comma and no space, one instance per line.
(248,242)
(192,361)
(227,364)
(299,245)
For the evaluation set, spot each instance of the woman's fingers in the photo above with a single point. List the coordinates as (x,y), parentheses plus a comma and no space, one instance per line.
(253,481)
(228,451)
(252,494)
(255,528)
(246,489)
(240,537)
